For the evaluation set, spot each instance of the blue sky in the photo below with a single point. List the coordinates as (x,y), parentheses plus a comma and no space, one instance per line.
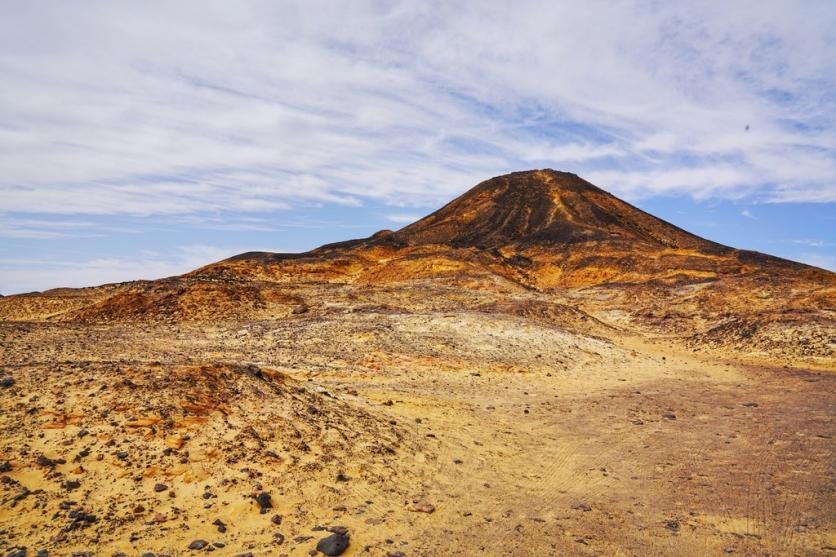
(140,140)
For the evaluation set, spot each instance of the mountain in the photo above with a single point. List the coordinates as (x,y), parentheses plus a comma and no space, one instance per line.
(539,231)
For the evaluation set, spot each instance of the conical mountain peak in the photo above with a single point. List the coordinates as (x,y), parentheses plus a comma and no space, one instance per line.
(541,207)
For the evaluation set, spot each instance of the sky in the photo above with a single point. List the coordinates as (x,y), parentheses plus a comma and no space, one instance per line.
(145,139)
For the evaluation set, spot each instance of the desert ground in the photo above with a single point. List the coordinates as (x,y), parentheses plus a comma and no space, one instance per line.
(435,404)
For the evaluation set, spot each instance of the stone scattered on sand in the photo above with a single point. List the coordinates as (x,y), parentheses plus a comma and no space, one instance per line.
(5,383)
(198,544)
(278,539)
(221,526)
(21,552)
(276,519)
(335,544)
(421,506)
(264,502)
(160,487)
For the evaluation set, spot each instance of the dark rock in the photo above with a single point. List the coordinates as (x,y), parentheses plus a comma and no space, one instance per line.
(5,467)
(582,507)
(42,553)
(276,519)
(247,554)
(71,485)
(335,544)
(122,455)
(341,477)
(21,552)
(672,525)
(278,539)
(338,529)
(80,519)
(750,404)
(669,416)
(5,383)
(264,501)
(160,487)
(198,544)
(221,526)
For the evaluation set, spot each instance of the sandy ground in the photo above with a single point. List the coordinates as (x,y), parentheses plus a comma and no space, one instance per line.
(518,437)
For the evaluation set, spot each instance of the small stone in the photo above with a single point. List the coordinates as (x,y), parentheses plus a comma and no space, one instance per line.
(5,383)
(750,404)
(160,487)
(276,519)
(264,501)
(18,552)
(582,507)
(335,544)
(669,416)
(278,539)
(42,553)
(221,526)
(198,544)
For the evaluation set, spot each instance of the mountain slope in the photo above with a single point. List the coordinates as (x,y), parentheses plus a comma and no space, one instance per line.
(541,236)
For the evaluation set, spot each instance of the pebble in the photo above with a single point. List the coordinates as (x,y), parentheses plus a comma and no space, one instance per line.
(160,487)
(221,526)
(18,553)
(276,519)
(264,501)
(7,382)
(335,544)
(198,544)
(278,539)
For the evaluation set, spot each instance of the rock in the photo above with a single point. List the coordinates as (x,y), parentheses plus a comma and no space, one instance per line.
(276,519)
(21,552)
(80,519)
(221,526)
(5,383)
(341,477)
(278,539)
(198,544)
(5,467)
(669,416)
(750,404)
(672,525)
(42,553)
(335,544)
(264,501)
(247,554)
(582,507)
(160,487)
(71,485)
(338,529)
(421,506)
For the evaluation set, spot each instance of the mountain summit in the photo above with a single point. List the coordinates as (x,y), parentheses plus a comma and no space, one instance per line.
(545,208)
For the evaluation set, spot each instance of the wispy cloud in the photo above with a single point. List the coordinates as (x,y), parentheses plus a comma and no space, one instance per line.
(109,108)
(23,275)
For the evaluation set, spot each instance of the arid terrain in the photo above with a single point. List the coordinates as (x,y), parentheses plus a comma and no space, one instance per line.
(537,368)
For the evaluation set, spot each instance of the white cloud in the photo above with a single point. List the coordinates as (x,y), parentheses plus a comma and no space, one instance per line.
(27,275)
(156,108)
(825,261)
(403,218)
